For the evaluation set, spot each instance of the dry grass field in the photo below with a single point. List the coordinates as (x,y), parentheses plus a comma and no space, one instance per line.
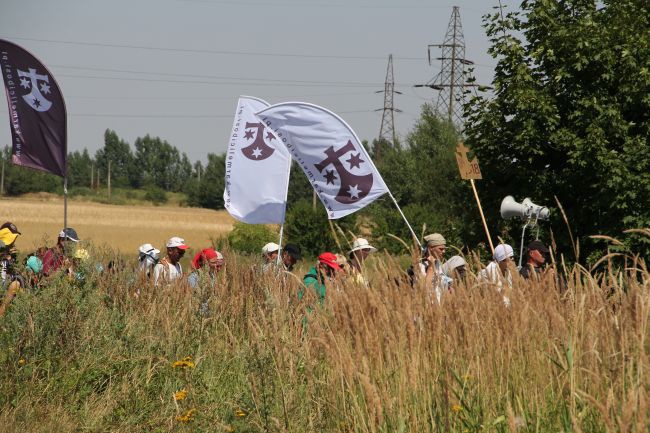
(123,228)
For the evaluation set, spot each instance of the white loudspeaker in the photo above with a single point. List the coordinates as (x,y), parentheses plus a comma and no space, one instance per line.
(524,210)
(542,212)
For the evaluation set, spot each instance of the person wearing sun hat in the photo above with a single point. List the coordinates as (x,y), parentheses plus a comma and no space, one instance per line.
(169,268)
(148,256)
(270,253)
(315,279)
(361,249)
(8,235)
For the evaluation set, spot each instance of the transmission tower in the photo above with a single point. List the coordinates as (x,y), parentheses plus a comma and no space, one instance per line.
(387,129)
(451,81)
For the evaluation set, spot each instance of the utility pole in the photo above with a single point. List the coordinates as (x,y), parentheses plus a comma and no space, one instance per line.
(451,81)
(198,169)
(92,175)
(108,180)
(387,129)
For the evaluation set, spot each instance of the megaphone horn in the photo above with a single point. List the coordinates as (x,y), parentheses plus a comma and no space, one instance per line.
(541,212)
(511,209)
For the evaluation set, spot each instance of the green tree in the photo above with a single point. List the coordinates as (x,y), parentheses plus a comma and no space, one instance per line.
(571,114)
(161,164)
(118,152)
(208,192)
(423,177)
(79,167)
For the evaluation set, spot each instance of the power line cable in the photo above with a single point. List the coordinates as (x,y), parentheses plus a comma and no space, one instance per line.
(222,52)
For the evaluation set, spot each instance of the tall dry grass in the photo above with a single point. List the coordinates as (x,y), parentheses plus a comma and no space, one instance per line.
(94,357)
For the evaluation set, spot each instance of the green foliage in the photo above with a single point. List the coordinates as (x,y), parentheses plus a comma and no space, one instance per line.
(250,238)
(21,180)
(156,195)
(79,169)
(208,192)
(118,152)
(423,177)
(310,229)
(570,116)
(161,164)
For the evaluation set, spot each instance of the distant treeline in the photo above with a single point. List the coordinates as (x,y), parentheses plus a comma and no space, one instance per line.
(154,164)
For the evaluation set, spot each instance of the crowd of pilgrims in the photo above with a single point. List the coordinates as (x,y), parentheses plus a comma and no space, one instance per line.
(433,272)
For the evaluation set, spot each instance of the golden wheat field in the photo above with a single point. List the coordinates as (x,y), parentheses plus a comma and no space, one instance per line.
(123,228)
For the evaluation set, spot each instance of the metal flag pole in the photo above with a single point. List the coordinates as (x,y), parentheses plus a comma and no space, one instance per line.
(65,209)
(404,218)
(286,196)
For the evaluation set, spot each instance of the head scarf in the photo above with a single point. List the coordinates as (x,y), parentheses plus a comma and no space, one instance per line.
(204,255)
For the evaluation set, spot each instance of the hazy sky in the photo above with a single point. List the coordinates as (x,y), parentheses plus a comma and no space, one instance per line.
(174,68)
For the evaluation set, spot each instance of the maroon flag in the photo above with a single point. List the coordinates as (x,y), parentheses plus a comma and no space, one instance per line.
(36,111)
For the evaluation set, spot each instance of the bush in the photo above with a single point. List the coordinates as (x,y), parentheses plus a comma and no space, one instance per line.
(156,195)
(250,238)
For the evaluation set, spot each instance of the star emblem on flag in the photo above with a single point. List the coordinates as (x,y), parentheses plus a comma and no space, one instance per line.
(354,191)
(355,160)
(330,177)
(249,134)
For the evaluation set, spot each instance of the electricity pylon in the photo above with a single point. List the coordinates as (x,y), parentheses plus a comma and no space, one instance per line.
(387,129)
(451,81)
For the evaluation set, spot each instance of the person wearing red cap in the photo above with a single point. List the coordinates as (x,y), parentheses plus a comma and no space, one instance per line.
(169,268)
(206,263)
(317,275)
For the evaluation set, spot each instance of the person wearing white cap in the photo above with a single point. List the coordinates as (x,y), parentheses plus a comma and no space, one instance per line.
(361,249)
(497,271)
(169,268)
(270,253)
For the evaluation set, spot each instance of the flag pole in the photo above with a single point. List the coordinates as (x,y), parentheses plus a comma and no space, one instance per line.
(65,208)
(286,197)
(399,209)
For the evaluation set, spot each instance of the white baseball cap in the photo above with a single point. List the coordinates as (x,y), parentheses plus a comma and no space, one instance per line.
(177,242)
(271,247)
(502,252)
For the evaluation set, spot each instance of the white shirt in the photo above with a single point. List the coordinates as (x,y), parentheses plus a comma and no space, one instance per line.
(441,282)
(166,273)
(492,274)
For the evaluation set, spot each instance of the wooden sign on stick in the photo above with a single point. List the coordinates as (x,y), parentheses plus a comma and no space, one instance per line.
(468,170)
(471,171)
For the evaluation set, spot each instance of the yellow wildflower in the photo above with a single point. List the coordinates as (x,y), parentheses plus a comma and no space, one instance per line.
(21,361)
(230,428)
(240,413)
(187,417)
(184,363)
(456,408)
(180,395)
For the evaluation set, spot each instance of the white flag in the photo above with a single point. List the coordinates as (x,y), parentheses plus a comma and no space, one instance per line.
(329,153)
(257,168)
